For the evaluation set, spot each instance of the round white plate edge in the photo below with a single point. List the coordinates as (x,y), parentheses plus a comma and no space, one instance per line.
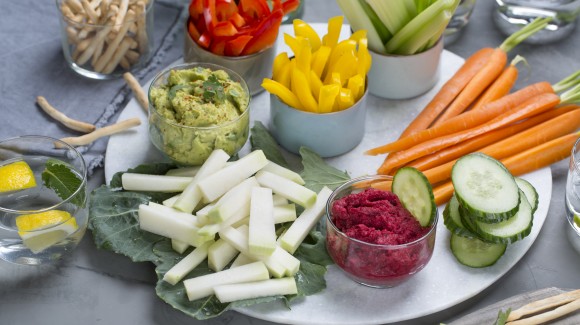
(116,148)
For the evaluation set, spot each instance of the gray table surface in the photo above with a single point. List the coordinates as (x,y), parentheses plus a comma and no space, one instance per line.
(99,287)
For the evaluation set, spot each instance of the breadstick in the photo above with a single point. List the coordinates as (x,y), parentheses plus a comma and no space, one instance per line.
(549,315)
(91,49)
(99,133)
(62,118)
(126,44)
(124,63)
(141,27)
(72,35)
(93,17)
(138,91)
(113,45)
(74,5)
(104,11)
(132,56)
(123,6)
(98,52)
(543,304)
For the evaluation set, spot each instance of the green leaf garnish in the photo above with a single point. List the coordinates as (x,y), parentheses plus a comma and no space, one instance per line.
(261,139)
(213,90)
(318,173)
(502,317)
(59,177)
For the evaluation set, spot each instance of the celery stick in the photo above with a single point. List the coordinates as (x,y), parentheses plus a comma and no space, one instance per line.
(360,19)
(425,33)
(392,13)
(416,23)
(410,7)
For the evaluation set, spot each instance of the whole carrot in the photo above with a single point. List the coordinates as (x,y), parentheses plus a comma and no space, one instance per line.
(448,154)
(531,107)
(490,71)
(443,193)
(467,120)
(501,86)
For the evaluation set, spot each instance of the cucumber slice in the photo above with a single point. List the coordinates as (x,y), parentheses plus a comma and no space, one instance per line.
(452,219)
(416,194)
(474,252)
(530,192)
(485,187)
(510,230)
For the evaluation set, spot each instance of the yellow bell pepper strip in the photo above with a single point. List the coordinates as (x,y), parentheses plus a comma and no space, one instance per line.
(334,27)
(280,61)
(315,85)
(327,98)
(304,57)
(320,59)
(359,35)
(301,88)
(301,28)
(356,84)
(285,73)
(364,58)
(346,47)
(345,66)
(334,79)
(285,95)
(345,99)
(294,43)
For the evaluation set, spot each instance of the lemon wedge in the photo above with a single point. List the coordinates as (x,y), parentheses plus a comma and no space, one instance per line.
(16,176)
(39,231)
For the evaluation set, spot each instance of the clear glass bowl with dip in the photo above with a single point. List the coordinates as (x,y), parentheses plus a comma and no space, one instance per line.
(43,200)
(104,39)
(211,111)
(377,261)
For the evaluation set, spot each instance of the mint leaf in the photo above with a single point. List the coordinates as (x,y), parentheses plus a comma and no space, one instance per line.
(317,173)
(213,90)
(59,177)
(261,139)
(502,317)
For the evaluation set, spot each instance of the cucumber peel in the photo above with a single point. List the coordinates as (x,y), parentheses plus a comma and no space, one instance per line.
(416,194)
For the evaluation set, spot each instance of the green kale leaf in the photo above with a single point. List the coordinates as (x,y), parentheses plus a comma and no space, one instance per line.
(261,139)
(59,177)
(317,173)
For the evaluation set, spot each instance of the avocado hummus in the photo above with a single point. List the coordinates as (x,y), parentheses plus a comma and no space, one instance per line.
(196,111)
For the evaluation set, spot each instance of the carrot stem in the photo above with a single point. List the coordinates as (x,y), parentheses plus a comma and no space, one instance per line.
(529,30)
(567,82)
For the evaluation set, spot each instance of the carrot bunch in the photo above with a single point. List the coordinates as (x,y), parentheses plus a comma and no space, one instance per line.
(528,129)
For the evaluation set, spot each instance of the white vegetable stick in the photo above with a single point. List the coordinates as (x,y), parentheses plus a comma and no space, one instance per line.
(154,183)
(170,201)
(262,233)
(187,264)
(235,200)
(220,254)
(179,246)
(274,168)
(178,214)
(102,132)
(286,188)
(300,228)
(62,118)
(241,260)
(183,171)
(279,200)
(271,287)
(284,213)
(192,195)
(202,286)
(222,181)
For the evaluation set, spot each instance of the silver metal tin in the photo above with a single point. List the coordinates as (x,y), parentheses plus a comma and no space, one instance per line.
(253,68)
(329,134)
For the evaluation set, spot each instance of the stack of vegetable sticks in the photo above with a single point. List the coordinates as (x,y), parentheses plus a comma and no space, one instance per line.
(537,124)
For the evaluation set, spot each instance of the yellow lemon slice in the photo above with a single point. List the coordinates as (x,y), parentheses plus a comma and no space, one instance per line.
(39,231)
(16,176)
(577,220)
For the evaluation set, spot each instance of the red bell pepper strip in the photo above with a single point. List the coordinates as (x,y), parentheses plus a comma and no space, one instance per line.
(195,9)
(193,32)
(290,5)
(265,34)
(224,29)
(237,20)
(255,9)
(204,40)
(225,9)
(218,46)
(209,14)
(236,46)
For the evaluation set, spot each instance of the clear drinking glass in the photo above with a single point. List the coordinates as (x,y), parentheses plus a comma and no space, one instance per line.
(512,15)
(45,220)
(573,197)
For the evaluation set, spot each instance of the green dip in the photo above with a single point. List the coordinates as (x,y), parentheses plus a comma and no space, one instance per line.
(196,111)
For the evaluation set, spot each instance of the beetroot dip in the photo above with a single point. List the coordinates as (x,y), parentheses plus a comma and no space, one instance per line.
(375,240)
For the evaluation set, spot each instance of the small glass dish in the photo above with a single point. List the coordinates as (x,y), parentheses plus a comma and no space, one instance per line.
(41,222)
(105,40)
(192,145)
(375,265)
(328,134)
(405,76)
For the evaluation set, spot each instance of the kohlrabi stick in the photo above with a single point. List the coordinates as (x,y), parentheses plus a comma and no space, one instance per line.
(154,183)
(272,287)
(262,232)
(187,264)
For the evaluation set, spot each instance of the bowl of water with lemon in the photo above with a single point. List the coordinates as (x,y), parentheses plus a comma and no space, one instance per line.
(43,199)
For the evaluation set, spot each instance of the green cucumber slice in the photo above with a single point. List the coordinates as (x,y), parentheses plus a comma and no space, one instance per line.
(416,194)
(452,219)
(530,192)
(474,252)
(510,230)
(485,187)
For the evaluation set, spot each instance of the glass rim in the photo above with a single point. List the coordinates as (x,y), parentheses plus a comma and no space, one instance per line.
(383,246)
(64,201)
(148,8)
(573,158)
(214,67)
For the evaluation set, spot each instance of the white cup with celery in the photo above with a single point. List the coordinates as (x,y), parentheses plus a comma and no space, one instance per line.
(405,42)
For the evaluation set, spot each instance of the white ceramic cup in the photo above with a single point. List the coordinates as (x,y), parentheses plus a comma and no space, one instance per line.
(404,76)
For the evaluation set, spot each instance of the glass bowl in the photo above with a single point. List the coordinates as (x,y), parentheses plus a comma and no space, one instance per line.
(573,231)
(41,222)
(374,265)
(192,145)
(105,41)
